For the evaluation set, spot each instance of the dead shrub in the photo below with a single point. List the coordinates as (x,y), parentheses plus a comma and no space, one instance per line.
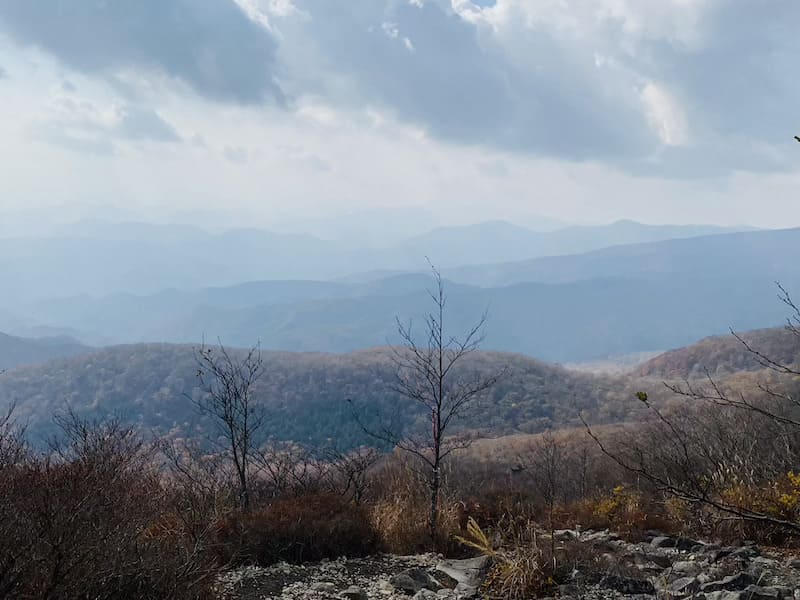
(297,530)
(74,522)
(399,511)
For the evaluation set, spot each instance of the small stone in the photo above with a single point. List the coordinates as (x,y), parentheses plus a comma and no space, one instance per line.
(413,580)
(354,593)
(464,590)
(627,585)
(325,587)
(686,567)
(425,594)
(731,583)
(755,592)
(684,585)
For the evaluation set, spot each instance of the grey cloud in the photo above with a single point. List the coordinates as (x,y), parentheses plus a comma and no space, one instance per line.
(210,45)
(539,92)
(236,154)
(145,124)
(80,125)
(461,87)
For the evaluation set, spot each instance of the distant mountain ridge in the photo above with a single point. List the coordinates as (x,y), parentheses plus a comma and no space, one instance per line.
(592,306)
(761,251)
(100,259)
(17,351)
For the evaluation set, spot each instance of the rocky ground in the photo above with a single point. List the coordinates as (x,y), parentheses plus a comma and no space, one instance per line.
(603,566)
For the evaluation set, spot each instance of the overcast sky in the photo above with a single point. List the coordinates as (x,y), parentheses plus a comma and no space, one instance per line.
(257,111)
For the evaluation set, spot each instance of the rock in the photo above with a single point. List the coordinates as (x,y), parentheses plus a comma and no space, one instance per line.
(425,594)
(354,593)
(468,571)
(663,541)
(627,585)
(566,534)
(661,560)
(413,580)
(719,554)
(686,567)
(384,587)
(725,595)
(325,587)
(745,552)
(731,583)
(688,545)
(794,563)
(568,589)
(464,590)
(684,585)
(755,592)
(445,580)
(752,592)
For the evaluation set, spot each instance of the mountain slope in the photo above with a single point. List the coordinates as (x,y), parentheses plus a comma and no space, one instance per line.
(723,355)
(150,385)
(16,351)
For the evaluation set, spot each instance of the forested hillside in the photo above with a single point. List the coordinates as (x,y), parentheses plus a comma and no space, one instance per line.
(306,393)
(723,355)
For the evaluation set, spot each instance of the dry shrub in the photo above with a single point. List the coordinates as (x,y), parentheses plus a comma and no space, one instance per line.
(297,530)
(399,511)
(623,510)
(779,499)
(520,569)
(74,523)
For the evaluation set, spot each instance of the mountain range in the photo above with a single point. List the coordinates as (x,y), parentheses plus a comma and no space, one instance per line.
(619,300)
(97,258)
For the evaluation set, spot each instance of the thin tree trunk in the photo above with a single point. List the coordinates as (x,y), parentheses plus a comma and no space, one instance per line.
(433,521)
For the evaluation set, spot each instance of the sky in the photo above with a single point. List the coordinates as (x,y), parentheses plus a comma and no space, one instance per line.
(259,112)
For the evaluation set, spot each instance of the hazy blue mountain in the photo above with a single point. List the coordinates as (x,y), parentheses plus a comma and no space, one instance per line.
(16,351)
(768,255)
(614,301)
(96,258)
(492,241)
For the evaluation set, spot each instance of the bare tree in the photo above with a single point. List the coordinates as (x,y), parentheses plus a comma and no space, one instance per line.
(227,382)
(349,471)
(431,374)
(544,461)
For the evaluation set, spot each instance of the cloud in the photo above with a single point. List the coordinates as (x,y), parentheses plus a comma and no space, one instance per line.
(667,88)
(136,123)
(235,154)
(665,116)
(644,86)
(81,125)
(211,46)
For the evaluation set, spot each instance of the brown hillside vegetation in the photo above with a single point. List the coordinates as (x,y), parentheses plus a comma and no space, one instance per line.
(151,385)
(723,355)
